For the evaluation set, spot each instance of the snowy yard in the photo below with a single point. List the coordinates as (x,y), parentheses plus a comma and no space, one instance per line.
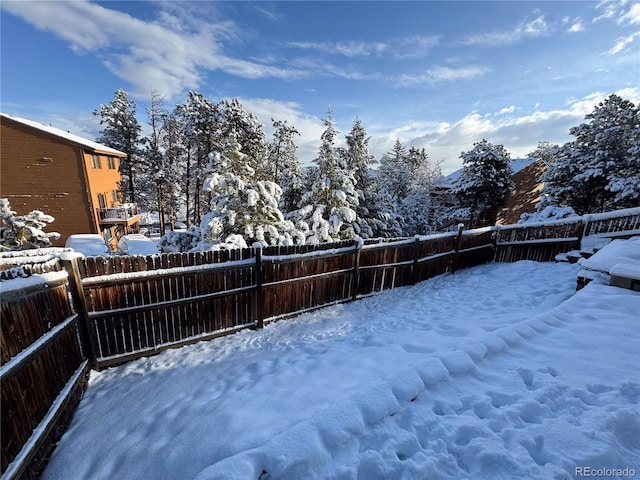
(499,371)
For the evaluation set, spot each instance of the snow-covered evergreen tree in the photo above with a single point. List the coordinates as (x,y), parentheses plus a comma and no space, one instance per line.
(545,152)
(249,132)
(174,152)
(20,232)
(418,206)
(358,160)
(243,210)
(406,177)
(163,168)
(393,174)
(122,131)
(199,118)
(328,212)
(485,181)
(600,169)
(284,165)
(559,189)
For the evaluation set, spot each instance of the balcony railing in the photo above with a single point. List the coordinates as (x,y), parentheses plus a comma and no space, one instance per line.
(123,213)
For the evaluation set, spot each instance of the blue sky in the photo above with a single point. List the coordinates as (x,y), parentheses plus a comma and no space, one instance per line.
(438,75)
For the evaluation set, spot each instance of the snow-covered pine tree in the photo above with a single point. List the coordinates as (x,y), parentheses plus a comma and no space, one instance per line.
(200,120)
(284,165)
(243,210)
(20,232)
(417,207)
(175,154)
(374,218)
(599,170)
(393,174)
(328,212)
(545,152)
(485,181)
(160,185)
(122,131)
(249,132)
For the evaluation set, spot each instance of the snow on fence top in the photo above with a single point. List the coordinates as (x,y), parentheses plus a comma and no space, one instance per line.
(166,271)
(316,253)
(592,217)
(550,223)
(21,283)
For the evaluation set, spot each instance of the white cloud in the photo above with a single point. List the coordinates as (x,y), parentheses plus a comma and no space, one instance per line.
(505,110)
(633,15)
(414,46)
(348,49)
(169,54)
(623,43)
(576,27)
(617,11)
(535,28)
(440,74)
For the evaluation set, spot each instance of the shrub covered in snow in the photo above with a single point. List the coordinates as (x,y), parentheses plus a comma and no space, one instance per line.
(180,241)
(548,213)
(19,232)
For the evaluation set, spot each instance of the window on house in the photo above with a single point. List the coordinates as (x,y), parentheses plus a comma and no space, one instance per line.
(115,197)
(111,163)
(95,161)
(102,200)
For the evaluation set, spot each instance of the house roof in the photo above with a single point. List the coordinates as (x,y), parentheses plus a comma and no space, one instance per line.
(70,137)
(517,164)
(525,195)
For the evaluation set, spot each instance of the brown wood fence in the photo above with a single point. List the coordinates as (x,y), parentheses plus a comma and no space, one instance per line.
(621,223)
(537,242)
(137,306)
(42,373)
(124,308)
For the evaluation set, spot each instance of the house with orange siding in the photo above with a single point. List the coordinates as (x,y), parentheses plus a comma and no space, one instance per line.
(73,179)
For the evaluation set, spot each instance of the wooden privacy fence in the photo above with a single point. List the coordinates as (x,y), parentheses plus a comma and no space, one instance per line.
(137,306)
(543,241)
(102,311)
(42,373)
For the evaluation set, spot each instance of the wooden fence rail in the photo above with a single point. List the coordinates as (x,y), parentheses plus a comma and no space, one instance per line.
(100,312)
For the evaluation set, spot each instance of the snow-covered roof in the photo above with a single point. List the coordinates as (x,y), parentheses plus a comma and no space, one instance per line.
(517,164)
(94,146)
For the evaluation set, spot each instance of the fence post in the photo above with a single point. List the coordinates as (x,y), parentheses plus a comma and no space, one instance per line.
(458,245)
(85,329)
(416,251)
(356,268)
(258,282)
(584,220)
(496,233)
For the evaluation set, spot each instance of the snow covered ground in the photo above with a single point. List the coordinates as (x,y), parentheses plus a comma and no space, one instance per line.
(500,371)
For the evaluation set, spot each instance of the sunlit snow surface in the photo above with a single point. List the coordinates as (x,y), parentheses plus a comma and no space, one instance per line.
(499,371)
